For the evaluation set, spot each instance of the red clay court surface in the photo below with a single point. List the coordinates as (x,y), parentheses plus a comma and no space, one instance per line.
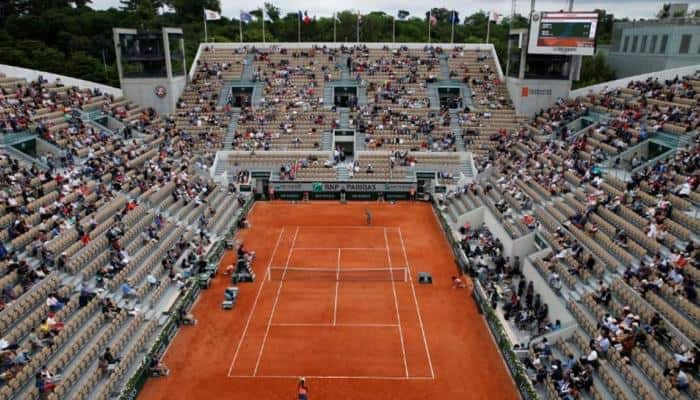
(373,334)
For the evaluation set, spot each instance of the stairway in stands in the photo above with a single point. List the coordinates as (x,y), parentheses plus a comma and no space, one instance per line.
(344,117)
(220,168)
(344,70)
(257,94)
(327,140)
(456,129)
(361,96)
(467,165)
(231,130)
(433,97)
(360,141)
(248,69)
(328,96)
(224,93)
(444,67)
(341,171)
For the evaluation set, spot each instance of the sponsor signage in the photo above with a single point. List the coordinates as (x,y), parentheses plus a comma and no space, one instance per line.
(351,187)
(527,92)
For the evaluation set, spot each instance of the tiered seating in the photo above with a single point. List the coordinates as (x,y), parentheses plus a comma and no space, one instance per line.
(395,77)
(64,228)
(402,129)
(600,227)
(377,166)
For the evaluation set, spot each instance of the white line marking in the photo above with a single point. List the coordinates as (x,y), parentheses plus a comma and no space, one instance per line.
(396,304)
(274,305)
(334,269)
(343,227)
(415,300)
(357,325)
(255,303)
(340,248)
(337,284)
(398,378)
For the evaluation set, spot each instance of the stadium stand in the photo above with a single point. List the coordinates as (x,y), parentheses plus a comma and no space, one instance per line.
(100,237)
(623,237)
(114,209)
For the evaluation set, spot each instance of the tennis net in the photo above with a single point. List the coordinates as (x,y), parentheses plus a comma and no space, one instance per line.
(334,274)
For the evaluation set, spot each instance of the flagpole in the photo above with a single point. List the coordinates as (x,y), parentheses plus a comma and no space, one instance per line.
(263,25)
(452,39)
(299,29)
(335,17)
(240,28)
(358,27)
(393,30)
(488,28)
(206,36)
(430,22)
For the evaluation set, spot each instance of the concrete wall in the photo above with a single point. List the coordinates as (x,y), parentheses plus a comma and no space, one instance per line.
(32,75)
(662,75)
(43,147)
(143,92)
(531,95)
(634,63)
(475,217)
(557,307)
(626,65)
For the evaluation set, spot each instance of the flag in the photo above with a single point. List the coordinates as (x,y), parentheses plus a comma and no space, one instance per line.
(433,20)
(307,19)
(402,14)
(301,16)
(211,15)
(245,17)
(454,18)
(164,9)
(359,17)
(494,16)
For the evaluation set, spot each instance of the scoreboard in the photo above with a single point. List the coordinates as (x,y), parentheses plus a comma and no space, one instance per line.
(563,33)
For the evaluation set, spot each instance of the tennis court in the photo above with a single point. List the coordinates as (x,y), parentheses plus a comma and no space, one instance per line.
(348,288)
(336,301)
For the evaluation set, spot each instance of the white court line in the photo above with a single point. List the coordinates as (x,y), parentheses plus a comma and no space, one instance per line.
(363,226)
(415,300)
(357,325)
(274,305)
(339,248)
(337,284)
(395,378)
(396,304)
(333,268)
(255,303)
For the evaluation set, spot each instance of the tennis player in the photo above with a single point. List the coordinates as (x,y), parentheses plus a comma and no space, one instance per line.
(302,389)
(369,216)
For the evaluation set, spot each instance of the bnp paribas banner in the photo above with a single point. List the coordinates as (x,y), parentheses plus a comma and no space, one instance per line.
(321,187)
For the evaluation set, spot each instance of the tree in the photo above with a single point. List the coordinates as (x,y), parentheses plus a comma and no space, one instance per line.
(594,70)
(272,12)
(605,26)
(147,9)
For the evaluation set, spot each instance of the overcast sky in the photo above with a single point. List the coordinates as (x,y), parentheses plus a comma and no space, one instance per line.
(621,8)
